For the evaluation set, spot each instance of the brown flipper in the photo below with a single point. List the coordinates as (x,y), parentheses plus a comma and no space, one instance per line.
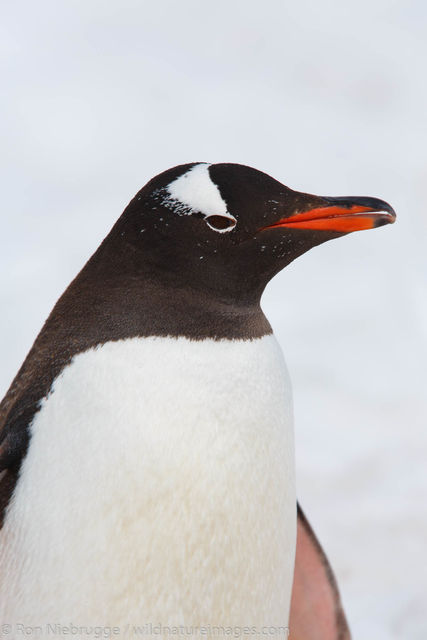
(316,610)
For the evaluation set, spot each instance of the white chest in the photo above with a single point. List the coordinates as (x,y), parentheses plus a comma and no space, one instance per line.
(158,487)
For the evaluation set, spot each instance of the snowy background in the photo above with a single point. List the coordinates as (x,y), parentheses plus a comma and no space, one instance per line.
(329,97)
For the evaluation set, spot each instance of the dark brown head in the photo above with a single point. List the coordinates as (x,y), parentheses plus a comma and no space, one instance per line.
(225,230)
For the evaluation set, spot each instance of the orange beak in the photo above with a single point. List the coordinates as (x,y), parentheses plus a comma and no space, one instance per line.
(342,215)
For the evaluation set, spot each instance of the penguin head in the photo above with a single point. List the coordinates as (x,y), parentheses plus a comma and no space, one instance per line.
(227,229)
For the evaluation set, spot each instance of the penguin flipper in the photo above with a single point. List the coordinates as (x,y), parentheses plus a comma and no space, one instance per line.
(18,407)
(316,610)
(16,413)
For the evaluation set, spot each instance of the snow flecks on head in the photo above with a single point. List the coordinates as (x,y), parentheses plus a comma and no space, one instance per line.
(195,192)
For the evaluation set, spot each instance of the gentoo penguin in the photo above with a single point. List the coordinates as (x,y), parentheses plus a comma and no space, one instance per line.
(146,444)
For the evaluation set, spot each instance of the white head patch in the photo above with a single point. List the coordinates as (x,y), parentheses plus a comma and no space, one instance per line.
(195,192)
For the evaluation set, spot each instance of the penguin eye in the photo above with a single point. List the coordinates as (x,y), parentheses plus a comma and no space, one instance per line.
(221,223)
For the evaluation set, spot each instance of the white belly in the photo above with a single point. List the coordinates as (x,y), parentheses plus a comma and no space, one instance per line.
(158,488)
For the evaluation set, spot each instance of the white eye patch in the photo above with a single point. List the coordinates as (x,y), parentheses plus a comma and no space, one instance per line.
(195,192)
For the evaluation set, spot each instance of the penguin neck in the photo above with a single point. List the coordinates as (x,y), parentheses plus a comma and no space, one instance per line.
(113,306)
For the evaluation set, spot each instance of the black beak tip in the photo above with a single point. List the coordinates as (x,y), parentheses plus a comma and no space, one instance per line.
(386,213)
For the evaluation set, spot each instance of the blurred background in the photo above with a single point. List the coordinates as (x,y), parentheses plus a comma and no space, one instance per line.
(328,97)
